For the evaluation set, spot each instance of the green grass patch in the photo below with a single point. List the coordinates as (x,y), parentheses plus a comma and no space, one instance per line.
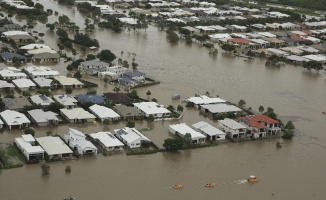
(141,152)
(10,156)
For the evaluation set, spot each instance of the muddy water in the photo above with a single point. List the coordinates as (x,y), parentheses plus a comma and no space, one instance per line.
(296,171)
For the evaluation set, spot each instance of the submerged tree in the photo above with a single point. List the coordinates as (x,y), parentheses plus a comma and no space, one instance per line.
(45,169)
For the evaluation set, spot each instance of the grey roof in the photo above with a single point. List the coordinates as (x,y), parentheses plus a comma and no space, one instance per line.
(40,116)
(126,79)
(13,26)
(126,111)
(46,55)
(16,103)
(207,129)
(8,55)
(135,73)
(94,63)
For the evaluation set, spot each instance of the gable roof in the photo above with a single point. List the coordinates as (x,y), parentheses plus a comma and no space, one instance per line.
(12,117)
(41,116)
(90,98)
(130,134)
(77,113)
(53,145)
(41,99)
(107,139)
(103,112)
(10,56)
(66,100)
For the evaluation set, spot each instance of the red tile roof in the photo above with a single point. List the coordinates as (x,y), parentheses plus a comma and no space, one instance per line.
(239,40)
(298,38)
(308,32)
(254,120)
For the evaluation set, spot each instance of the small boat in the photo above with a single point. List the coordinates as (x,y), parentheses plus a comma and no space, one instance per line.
(209,184)
(252,179)
(177,186)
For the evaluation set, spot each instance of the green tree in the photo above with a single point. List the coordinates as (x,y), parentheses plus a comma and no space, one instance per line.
(151,118)
(64,20)
(134,66)
(78,75)
(45,169)
(172,37)
(68,169)
(313,65)
(63,35)
(289,126)
(29,131)
(116,89)
(261,109)
(44,91)
(241,103)
(106,121)
(180,108)
(173,144)
(133,94)
(288,134)
(55,107)
(125,64)
(49,133)
(228,47)
(106,79)
(106,56)
(171,108)
(68,90)
(148,93)
(90,57)
(187,140)
(154,100)
(130,124)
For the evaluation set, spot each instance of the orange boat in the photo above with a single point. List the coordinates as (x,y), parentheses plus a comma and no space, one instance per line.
(252,179)
(209,184)
(177,186)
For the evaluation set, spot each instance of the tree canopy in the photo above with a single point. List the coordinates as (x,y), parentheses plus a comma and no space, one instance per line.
(106,56)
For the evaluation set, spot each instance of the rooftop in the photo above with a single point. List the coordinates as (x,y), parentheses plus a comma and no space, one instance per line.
(151,108)
(103,112)
(183,129)
(107,139)
(230,123)
(53,145)
(130,134)
(203,99)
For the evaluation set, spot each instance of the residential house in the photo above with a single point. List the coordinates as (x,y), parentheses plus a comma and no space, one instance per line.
(41,72)
(54,147)
(10,57)
(182,129)
(42,55)
(297,59)
(77,141)
(16,104)
(132,79)
(90,98)
(102,113)
(42,100)
(10,73)
(107,141)
(93,67)
(259,125)
(42,118)
(13,27)
(77,115)
(19,37)
(232,128)
(68,82)
(5,86)
(308,49)
(152,108)
(242,42)
(66,100)
(215,109)
(24,84)
(14,119)
(31,152)
(127,113)
(197,101)
(118,98)
(113,73)
(132,137)
(211,132)
(43,82)
(34,46)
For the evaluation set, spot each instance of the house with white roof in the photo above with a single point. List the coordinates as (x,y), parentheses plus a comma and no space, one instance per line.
(318,58)
(26,144)
(42,118)
(67,100)
(34,46)
(96,65)
(69,82)
(44,55)
(10,74)
(102,113)
(14,119)
(41,72)
(54,147)
(152,108)
(77,141)
(232,128)
(131,137)
(24,84)
(211,132)
(4,85)
(43,82)
(42,100)
(77,115)
(182,129)
(107,141)
(204,100)
(113,72)
(215,109)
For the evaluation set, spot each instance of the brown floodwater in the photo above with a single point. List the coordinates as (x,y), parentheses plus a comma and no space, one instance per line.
(295,171)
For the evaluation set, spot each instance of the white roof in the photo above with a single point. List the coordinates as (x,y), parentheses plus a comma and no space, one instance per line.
(11,33)
(13,118)
(53,145)
(267,34)
(130,134)
(308,49)
(11,73)
(151,108)
(217,27)
(103,112)
(277,51)
(208,129)
(221,108)
(107,139)
(45,71)
(68,81)
(43,82)
(34,46)
(77,113)
(128,20)
(316,57)
(27,146)
(183,128)
(65,99)
(41,50)
(41,99)
(5,84)
(83,144)
(238,35)
(230,123)
(28,138)
(297,58)
(40,116)
(203,99)
(220,36)
(23,83)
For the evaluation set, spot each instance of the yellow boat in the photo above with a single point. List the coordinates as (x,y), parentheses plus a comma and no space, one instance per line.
(252,179)
(177,186)
(209,184)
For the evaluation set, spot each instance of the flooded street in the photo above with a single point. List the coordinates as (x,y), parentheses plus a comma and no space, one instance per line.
(295,171)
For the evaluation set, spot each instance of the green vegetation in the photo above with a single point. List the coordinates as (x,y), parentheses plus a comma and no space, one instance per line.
(131,124)
(142,152)
(10,156)
(29,131)
(86,40)
(106,56)
(270,113)
(68,169)
(228,47)
(313,65)
(45,169)
(288,131)
(241,103)
(172,37)
(55,107)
